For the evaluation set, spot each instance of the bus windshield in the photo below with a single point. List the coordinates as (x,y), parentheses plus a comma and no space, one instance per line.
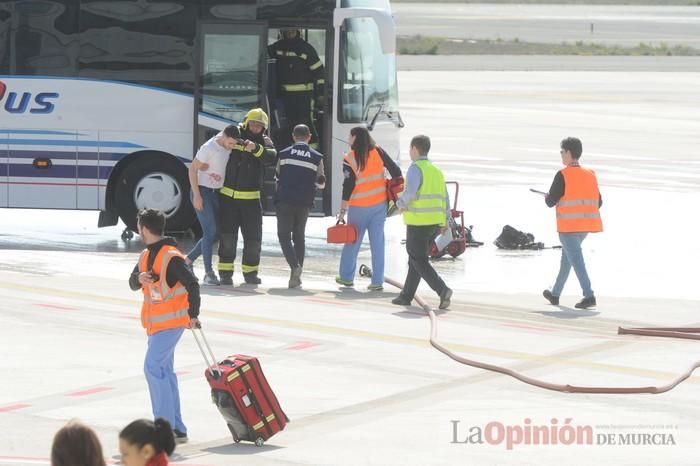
(367,76)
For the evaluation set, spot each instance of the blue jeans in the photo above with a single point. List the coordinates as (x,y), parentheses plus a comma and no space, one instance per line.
(572,256)
(209,220)
(161,378)
(365,218)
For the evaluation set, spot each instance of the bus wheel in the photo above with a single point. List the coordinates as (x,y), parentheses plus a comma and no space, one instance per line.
(155,182)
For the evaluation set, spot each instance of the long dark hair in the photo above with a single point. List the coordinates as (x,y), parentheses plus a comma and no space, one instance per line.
(143,432)
(76,444)
(362,145)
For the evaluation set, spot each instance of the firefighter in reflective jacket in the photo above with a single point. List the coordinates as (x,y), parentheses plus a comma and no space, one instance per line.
(170,304)
(575,192)
(240,206)
(300,75)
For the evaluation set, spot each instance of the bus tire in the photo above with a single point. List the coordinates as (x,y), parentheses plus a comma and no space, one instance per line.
(157,182)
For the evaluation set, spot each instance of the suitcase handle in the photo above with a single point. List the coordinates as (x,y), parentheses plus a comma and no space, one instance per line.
(216,373)
(340,222)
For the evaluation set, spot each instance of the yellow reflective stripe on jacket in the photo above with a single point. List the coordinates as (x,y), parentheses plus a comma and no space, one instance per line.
(225,266)
(321,81)
(298,87)
(246,195)
(249,268)
(316,66)
(259,152)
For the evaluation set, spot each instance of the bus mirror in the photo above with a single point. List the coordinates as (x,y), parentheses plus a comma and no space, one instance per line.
(383,19)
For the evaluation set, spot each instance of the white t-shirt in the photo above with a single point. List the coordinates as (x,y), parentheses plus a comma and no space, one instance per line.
(216,156)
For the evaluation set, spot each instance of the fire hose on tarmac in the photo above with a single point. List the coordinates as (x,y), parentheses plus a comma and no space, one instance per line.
(675,332)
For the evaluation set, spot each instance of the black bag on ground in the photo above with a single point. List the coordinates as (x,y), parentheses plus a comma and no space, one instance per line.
(510,238)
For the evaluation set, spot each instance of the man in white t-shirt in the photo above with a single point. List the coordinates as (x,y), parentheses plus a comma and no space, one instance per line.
(206,178)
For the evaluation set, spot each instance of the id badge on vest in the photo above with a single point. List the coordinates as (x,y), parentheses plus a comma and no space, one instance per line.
(156,295)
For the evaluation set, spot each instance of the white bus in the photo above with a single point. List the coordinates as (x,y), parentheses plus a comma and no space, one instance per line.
(103,103)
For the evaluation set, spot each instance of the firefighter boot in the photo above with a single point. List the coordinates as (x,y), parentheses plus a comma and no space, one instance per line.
(226,278)
(252,278)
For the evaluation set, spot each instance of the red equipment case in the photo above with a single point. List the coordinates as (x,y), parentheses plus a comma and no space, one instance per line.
(240,391)
(341,233)
(459,233)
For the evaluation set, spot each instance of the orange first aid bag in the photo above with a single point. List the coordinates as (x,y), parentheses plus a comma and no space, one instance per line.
(341,233)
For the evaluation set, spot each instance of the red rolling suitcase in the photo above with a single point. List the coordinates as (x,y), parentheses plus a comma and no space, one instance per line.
(240,391)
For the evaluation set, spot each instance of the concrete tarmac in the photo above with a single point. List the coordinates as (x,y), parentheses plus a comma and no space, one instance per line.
(627,25)
(354,373)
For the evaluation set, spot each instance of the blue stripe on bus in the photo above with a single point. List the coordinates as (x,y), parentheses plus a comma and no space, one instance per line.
(108,81)
(63,155)
(76,143)
(70,172)
(38,131)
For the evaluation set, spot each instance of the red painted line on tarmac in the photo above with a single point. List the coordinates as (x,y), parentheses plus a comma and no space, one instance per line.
(529,327)
(47,461)
(241,332)
(302,345)
(15,407)
(327,301)
(57,306)
(90,391)
(182,372)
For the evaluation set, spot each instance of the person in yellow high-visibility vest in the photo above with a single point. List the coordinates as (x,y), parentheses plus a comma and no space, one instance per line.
(425,207)
(575,192)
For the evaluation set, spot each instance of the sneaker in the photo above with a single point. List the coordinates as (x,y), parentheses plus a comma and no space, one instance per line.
(295,277)
(445,298)
(252,279)
(226,280)
(373,287)
(211,279)
(401,300)
(340,281)
(585,303)
(180,437)
(553,300)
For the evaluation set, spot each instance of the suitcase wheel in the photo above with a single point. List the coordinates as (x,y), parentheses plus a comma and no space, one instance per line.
(259,442)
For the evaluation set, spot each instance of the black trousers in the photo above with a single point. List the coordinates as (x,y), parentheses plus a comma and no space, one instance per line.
(299,109)
(418,240)
(245,215)
(291,228)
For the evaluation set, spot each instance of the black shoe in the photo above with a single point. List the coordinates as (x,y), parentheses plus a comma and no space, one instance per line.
(252,279)
(553,300)
(180,437)
(295,277)
(445,298)
(226,280)
(585,303)
(401,300)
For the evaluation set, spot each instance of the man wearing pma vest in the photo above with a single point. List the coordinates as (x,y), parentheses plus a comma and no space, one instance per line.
(425,206)
(299,173)
(575,193)
(170,305)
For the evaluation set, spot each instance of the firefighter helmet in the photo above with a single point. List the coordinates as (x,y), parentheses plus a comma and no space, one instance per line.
(258,115)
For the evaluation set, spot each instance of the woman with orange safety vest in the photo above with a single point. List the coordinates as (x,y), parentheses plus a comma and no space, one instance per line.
(365,201)
(170,305)
(575,194)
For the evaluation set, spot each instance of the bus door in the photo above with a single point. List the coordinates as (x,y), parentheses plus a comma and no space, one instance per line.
(42,169)
(231,78)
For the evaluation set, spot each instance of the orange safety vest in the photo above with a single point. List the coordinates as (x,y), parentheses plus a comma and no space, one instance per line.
(577,210)
(163,307)
(370,187)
